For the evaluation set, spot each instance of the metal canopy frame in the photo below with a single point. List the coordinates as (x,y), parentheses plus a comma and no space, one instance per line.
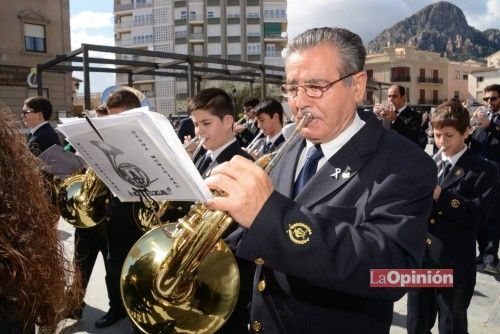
(190,67)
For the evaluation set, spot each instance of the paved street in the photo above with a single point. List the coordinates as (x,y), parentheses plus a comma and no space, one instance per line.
(484,312)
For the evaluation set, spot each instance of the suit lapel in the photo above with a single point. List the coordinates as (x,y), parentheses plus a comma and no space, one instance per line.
(342,166)
(458,171)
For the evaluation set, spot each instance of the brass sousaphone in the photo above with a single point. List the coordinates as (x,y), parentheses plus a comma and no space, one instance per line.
(182,278)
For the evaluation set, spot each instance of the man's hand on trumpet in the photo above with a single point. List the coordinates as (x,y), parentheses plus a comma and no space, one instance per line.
(247,187)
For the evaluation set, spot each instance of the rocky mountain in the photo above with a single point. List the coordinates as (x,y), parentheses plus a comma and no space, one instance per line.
(440,27)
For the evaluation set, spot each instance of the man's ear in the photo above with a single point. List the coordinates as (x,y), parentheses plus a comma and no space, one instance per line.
(358,86)
(228,121)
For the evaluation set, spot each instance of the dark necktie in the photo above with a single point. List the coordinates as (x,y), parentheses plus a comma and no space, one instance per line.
(267,147)
(207,160)
(311,164)
(444,170)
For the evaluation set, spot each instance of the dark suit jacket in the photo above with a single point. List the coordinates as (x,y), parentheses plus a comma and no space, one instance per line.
(486,141)
(43,138)
(315,251)
(408,124)
(248,134)
(226,155)
(463,206)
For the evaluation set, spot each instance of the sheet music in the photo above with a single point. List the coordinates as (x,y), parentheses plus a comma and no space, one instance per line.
(60,163)
(140,151)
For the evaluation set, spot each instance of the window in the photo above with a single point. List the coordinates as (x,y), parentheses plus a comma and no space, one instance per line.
(480,79)
(465,77)
(210,14)
(34,37)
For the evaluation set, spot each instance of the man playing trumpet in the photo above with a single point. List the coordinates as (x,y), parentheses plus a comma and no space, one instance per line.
(348,197)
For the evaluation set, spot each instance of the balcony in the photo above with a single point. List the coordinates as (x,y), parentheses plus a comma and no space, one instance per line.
(196,36)
(123,25)
(144,5)
(143,23)
(195,18)
(400,78)
(273,54)
(434,102)
(123,7)
(196,53)
(430,80)
(271,35)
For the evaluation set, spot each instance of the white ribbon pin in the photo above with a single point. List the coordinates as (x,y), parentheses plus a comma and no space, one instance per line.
(336,174)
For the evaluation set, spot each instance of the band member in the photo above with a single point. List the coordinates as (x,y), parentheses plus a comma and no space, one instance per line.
(399,117)
(36,115)
(344,199)
(34,275)
(212,113)
(121,230)
(270,121)
(462,201)
(247,131)
(485,141)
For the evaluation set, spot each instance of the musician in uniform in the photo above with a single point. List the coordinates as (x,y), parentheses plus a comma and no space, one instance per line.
(36,115)
(246,132)
(270,121)
(121,230)
(348,197)
(462,202)
(485,141)
(400,117)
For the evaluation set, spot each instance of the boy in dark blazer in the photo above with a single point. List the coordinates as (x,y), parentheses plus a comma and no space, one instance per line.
(36,115)
(462,201)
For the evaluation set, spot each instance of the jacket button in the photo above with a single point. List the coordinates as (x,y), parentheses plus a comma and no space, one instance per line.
(256,326)
(432,221)
(259,261)
(429,241)
(261,286)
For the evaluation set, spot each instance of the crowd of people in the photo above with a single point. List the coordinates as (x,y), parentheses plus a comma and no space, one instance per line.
(355,191)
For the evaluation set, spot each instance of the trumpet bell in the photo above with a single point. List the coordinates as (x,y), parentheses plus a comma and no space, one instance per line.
(213,287)
(74,207)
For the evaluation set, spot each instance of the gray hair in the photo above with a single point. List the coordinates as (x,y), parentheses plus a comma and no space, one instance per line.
(348,45)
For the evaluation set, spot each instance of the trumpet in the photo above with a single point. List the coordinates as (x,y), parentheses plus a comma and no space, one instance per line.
(181,278)
(254,142)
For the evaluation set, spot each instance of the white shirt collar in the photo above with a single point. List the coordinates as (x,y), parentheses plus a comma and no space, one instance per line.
(38,126)
(215,153)
(453,159)
(273,138)
(333,146)
(400,109)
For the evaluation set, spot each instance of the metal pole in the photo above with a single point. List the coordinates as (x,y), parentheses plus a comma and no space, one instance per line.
(86,77)
(263,83)
(130,79)
(39,81)
(190,79)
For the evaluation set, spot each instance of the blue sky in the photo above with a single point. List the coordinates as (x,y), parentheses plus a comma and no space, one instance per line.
(92,20)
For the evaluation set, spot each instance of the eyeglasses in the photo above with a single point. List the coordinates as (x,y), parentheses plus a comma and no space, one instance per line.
(492,98)
(311,89)
(27,111)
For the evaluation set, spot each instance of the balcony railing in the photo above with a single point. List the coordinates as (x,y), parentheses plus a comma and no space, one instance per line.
(121,7)
(430,80)
(143,23)
(196,53)
(123,25)
(196,36)
(273,54)
(144,5)
(180,34)
(195,18)
(400,78)
(275,35)
(430,101)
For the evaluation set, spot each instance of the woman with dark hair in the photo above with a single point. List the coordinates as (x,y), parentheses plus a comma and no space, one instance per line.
(34,275)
